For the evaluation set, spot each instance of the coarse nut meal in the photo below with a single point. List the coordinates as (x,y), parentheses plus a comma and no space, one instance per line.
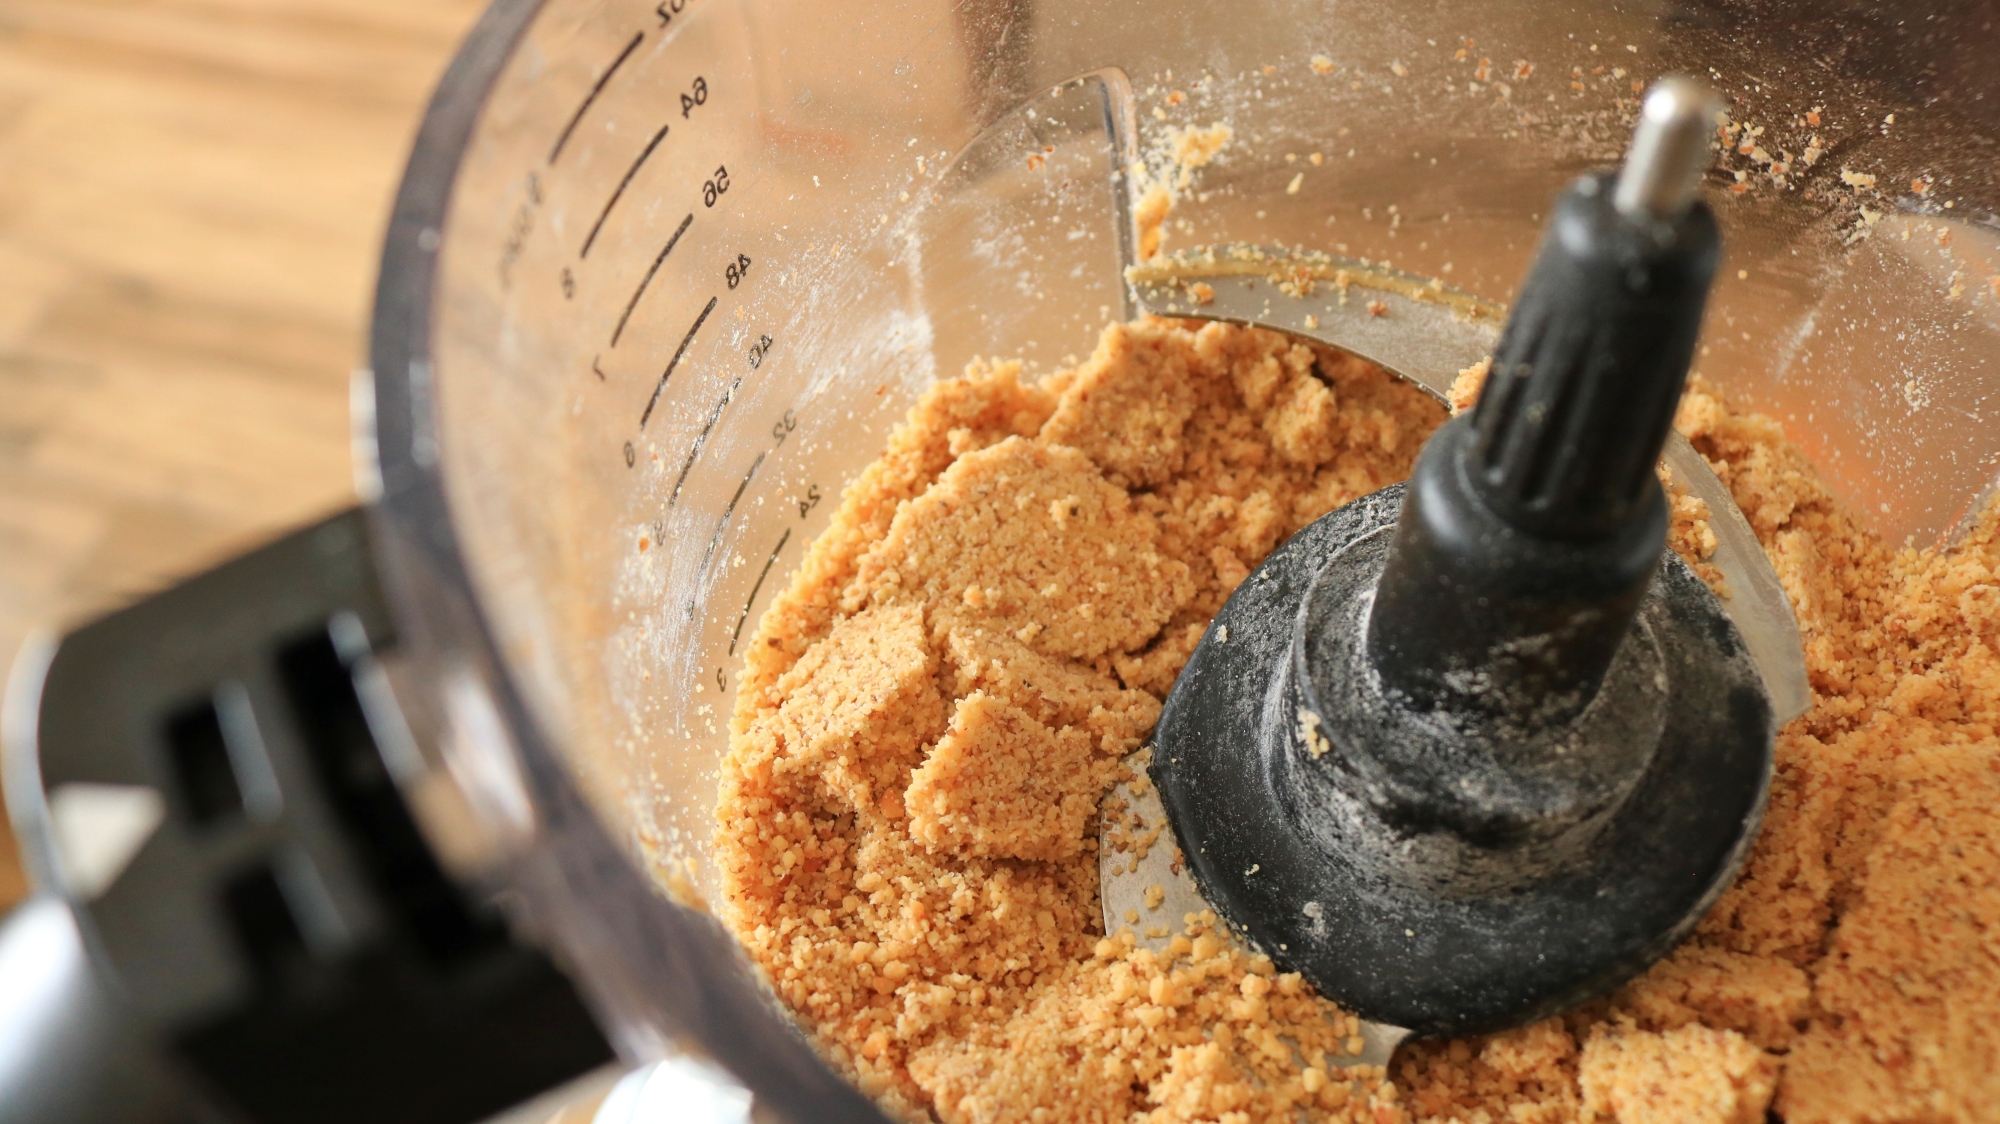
(933,710)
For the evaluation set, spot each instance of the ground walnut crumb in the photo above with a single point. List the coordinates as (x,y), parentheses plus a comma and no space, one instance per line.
(931,712)
(1693,1075)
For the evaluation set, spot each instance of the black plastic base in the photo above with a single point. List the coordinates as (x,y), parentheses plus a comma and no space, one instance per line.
(286,939)
(1298,841)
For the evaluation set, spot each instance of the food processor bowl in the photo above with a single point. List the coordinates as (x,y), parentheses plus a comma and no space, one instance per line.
(663,275)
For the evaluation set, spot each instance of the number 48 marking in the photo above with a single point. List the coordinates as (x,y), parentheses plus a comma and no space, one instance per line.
(738,269)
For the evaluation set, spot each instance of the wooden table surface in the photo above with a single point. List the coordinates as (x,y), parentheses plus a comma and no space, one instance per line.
(191,196)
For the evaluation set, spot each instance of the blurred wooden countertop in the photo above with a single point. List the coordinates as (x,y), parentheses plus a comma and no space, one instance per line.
(191,197)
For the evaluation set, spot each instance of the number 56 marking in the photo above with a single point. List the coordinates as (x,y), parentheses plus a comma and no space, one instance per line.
(716,187)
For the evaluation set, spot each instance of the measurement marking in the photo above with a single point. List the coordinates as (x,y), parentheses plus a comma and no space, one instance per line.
(740,488)
(674,362)
(641,290)
(594,367)
(755,589)
(644,155)
(714,416)
(591,98)
(715,539)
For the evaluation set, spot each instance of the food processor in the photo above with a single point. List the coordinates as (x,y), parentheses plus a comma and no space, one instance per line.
(661,277)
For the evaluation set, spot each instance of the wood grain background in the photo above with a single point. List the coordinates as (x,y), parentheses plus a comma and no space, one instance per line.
(191,196)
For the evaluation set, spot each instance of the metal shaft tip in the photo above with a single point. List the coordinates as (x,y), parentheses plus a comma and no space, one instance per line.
(1670,150)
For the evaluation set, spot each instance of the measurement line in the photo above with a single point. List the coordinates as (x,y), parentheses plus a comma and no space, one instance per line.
(715,539)
(641,290)
(675,362)
(644,155)
(714,416)
(740,488)
(591,98)
(755,589)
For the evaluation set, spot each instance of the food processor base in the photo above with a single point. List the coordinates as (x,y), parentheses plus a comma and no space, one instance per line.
(213,779)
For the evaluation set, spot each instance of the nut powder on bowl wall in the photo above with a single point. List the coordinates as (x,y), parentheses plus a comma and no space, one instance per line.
(932,712)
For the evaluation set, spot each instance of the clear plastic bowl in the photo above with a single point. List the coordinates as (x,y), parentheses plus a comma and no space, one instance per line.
(663,276)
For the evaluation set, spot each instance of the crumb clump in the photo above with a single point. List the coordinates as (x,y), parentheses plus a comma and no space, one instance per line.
(1692,1075)
(1176,157)
(931,711)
